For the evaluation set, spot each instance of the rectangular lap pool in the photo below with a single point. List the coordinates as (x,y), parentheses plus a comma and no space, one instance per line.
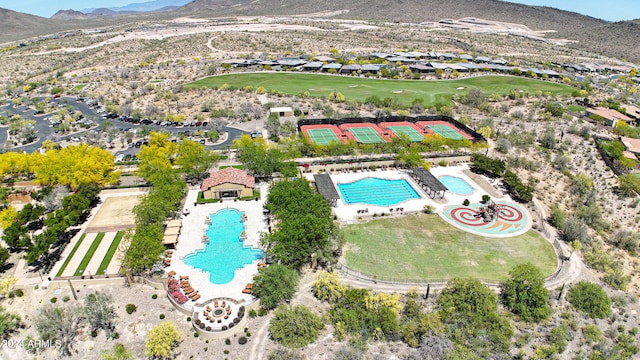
(375,191)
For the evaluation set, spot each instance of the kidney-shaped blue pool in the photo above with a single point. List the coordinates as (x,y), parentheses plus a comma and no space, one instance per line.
(456,185)
(225,251)
(375,191)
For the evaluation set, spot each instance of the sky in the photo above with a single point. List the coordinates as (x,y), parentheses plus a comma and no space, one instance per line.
(610,10)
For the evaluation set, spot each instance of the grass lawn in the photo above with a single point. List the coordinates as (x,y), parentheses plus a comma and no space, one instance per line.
(109,255)
(425,247)
(73,251)
(87,257)
(575,108)
(431,91)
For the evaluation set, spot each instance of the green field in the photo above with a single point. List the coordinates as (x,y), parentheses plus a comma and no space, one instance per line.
(73,251)
(88,255)
(425,248)
(109,255)
(431,91)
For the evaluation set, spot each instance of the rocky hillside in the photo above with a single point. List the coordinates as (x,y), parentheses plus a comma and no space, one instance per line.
(537,18)
(590,33)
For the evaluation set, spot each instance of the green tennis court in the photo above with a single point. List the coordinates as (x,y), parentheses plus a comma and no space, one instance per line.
(322,136)
(366,135)
(446,131)
(408,131)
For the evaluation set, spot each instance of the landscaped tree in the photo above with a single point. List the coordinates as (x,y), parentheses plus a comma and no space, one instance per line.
(629,184)
(194,160)
(304,223)
(524,293)
(327,287)
(469,311)
(591,299)
(59,324)
(99,312)
(273,126)
(76,165)
(119,353)
(144,250)
(161,339)
(295,326)
(8,216)
(275,285)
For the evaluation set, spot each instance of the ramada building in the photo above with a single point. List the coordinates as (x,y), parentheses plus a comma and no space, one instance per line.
(228,183)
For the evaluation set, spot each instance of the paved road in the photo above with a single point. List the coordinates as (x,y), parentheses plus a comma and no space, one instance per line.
(44,131)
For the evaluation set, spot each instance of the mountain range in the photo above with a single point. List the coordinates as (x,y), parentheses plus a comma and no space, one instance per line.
(155,5)
(590,33)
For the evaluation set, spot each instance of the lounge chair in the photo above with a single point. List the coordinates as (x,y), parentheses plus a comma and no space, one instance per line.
(246,291)
(196,297)
(215,303)
(249,286)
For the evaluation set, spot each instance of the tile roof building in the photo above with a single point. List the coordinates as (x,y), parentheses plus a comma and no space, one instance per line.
(228,182)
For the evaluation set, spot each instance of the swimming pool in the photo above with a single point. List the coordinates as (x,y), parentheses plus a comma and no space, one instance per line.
(376,191)
(456,185)
(225,252)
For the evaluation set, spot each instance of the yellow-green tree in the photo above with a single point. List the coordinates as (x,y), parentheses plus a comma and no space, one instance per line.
(6,285)
(327,287)
(485,131)
(76,165)
(8,216)
(161,339)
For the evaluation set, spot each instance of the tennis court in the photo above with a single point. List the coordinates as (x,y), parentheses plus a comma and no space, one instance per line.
(446,131)
(407,130)
(366,135)
(322,136)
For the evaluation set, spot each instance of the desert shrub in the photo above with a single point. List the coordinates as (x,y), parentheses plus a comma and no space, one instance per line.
(591,333)
(252,313)
(295,326)
(591,299)
(242,340)
(131,308)
(559,337)
(54,300)
(65,298)
(18,292)
(154,296)
(227,341)
(161,316)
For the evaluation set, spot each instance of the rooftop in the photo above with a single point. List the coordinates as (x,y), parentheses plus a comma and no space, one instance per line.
(609,114)
(228,176)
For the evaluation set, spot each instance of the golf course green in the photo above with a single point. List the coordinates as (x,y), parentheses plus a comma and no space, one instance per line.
(358,89)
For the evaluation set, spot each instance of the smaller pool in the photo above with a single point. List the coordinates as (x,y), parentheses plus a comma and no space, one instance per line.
(456,185)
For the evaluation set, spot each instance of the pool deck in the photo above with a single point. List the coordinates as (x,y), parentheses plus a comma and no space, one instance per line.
(349,213)
(190,240)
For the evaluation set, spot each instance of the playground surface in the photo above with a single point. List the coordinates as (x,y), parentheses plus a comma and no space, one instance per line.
(503,219)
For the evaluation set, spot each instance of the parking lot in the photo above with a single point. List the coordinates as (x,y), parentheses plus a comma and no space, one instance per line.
(130,130)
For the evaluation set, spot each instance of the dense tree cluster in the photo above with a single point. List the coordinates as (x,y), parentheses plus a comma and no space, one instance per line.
(524,293)
(167,189)
(45,248)
(72,166)
(262,160)
(304,223)
(469,311)
(496,167)
(275,285)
